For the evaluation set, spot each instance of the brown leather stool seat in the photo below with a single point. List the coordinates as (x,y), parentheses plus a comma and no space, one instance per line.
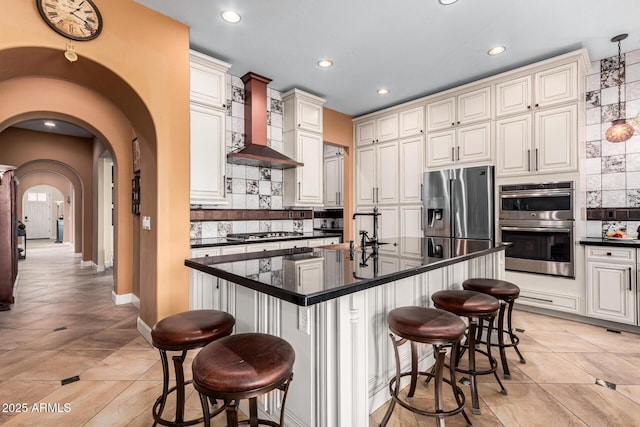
(182,332)
(243,366)
(429,326)
(507,293)
(474,306)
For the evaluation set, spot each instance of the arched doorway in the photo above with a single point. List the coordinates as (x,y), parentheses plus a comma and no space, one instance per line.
(122,87)
(30,97)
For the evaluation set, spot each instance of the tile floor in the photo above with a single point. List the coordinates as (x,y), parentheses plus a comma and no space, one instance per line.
(64,325)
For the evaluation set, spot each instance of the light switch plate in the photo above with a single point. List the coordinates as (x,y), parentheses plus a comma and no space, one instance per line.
(146,223)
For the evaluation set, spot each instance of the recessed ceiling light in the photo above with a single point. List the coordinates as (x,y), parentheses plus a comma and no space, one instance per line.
(325,63)
(230,16)
(49,124)
(383,91)
(445,2)
(496,50)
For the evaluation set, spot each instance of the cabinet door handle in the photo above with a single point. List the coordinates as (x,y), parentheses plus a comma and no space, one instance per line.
(529,160)
(421,192)
(458,156)
(453,153)
(630,278)
(421,219)
(224,182)
(536,160)
(299,189)
(377,194)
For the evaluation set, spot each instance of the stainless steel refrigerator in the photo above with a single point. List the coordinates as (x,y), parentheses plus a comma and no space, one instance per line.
(458,203)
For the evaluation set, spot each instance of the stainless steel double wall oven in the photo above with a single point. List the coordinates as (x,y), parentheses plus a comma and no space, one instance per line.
(539,220)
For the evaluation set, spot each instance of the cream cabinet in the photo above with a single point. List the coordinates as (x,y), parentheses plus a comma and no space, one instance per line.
(208,156)
(465,144)
(303,185)
(461,109)
(333,181)
(411,153)
(304,273)
(541,89)
(377,174)
(377,130)
(208,80)
(302,111)
(411,122)
(611,283)
(545,141)
(207,130)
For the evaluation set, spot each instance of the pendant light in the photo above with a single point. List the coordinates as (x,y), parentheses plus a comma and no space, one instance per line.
(620,130)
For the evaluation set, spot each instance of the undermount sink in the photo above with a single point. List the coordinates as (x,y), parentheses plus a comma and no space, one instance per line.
(344,246)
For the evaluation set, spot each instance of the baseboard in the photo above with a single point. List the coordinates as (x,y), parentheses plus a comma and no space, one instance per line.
(84,264)
(125,299)
(100,268)
(144,330)
(77,255)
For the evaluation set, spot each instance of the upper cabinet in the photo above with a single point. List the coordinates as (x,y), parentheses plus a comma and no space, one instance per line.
(381,129)
(540,89)
(538,117)
(412,122)
(208,78)
(302,120)
(208,129)
(462,109)
(304,112)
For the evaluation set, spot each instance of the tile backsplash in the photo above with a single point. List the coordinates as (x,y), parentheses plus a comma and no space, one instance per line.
(612,169)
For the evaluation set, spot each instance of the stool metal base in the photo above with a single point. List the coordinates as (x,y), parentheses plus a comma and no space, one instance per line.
(179,389)
(437,373)
(231,408)
(505,305)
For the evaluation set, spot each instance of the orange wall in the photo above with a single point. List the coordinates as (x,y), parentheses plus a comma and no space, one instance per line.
(19,146)
(338,130)
(140,65)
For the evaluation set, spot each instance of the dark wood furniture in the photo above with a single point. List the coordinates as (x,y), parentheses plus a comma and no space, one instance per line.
(182,332)
(243,366)
(441,329)
(474,306)
(506,293)
(8,235)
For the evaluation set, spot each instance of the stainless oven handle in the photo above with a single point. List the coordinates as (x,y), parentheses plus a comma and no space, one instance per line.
(565,230)
(526,194)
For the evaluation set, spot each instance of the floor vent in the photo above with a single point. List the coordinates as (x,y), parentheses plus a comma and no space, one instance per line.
(61,328)
(70,380)
(614,331)
(606,384)
(520,330)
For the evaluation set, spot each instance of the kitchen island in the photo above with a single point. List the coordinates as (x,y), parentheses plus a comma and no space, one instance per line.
(331,304)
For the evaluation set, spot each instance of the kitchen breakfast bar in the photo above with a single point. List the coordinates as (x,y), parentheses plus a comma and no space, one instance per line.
(331,303)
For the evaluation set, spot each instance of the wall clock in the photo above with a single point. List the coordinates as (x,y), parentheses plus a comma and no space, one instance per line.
(75,19)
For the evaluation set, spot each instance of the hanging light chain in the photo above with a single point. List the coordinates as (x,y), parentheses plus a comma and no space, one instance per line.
(619,80)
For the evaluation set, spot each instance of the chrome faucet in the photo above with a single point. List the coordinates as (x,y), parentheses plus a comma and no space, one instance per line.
(363,233)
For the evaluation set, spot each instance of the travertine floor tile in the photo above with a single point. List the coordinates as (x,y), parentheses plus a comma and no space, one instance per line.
(528,405)
(596,405)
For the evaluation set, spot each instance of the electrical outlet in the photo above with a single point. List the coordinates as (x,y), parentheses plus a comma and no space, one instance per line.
(301,214)
(290,214)
(146,223)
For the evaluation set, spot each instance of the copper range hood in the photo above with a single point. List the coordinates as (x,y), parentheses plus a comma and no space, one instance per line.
(256,152)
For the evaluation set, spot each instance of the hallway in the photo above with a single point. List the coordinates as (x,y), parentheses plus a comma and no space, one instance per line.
(64,324)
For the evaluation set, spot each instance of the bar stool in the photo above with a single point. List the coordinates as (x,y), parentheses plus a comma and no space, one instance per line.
(243,366)
(429,326)
(474,306)
(182,332)
(506,293)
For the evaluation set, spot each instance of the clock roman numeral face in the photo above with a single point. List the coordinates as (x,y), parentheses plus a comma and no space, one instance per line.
(75,19)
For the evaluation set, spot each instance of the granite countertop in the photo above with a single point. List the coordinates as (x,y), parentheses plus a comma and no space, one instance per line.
(333,271)
(222,241)
(601,241)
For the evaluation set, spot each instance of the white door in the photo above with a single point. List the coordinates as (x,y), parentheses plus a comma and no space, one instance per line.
(37,214)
